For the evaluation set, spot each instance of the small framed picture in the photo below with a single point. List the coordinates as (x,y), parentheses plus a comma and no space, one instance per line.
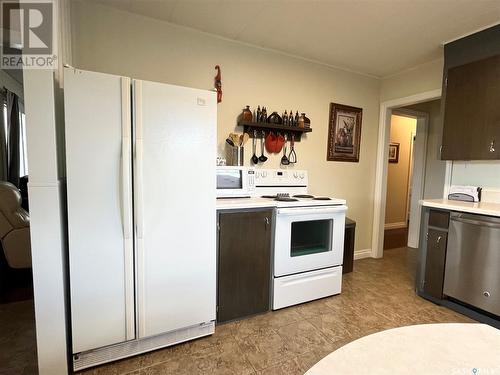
(344,133)
(393,152)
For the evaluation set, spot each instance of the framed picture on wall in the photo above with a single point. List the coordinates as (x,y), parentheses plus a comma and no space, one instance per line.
(393,152)
(344,133)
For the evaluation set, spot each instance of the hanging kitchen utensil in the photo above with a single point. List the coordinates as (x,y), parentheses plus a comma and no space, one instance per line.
(262,157)
(271,142)
(284,159)
(280,141)
(292,156)
(255,159)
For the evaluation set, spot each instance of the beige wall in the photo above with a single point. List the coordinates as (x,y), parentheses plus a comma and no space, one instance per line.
(435,168)
(122,43)
(478,173)
(402,129)
(426,77)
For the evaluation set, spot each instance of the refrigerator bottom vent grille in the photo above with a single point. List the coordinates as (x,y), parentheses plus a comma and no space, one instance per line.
(129,348)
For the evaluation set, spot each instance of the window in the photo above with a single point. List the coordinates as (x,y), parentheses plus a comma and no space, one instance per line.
(23,157)
(23,161)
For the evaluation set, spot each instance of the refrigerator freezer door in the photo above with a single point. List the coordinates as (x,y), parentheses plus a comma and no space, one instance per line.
(174,181)
(98,163)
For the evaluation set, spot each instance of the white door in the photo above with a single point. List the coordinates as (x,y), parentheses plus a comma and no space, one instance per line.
(175,185)
(98,169)
(308,239)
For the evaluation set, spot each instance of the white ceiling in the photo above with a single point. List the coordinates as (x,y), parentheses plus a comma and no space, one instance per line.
(374,37)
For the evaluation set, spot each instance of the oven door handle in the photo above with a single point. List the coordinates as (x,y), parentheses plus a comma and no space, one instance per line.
(298,211)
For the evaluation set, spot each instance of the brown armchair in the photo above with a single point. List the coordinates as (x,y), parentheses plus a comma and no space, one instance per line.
(14,227)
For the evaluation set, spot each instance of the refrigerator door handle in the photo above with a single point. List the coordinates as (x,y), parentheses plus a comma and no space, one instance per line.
(138,160)
(138,188)
(139,206)
(126,209)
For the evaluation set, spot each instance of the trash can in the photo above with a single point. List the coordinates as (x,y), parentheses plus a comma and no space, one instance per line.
(350,232)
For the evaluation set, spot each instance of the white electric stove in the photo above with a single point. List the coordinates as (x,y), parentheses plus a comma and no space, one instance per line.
(308,237)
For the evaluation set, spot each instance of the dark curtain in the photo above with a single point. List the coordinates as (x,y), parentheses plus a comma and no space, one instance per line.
(4,173)
(14,131)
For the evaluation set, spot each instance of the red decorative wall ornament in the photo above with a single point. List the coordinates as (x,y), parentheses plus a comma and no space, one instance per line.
(218,84)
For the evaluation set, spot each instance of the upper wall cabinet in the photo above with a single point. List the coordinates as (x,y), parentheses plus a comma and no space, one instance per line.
(471,97)
(472,111)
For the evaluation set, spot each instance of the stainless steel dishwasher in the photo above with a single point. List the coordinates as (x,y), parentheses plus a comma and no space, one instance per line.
(472,272)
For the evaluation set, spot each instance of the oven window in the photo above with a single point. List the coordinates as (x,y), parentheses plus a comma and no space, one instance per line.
(311,237)
(230,179)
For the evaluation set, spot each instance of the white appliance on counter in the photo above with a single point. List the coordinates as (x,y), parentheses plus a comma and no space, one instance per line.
(235,182)
(308,238)
(465,193)
(142,244)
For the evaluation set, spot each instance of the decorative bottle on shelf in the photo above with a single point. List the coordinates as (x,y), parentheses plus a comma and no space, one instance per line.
(257,114)
(304,122)
(285,118)
(246,115)
(291,120)
(296,118)
(264,114)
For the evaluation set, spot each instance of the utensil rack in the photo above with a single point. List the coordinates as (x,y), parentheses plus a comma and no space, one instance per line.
(248,127)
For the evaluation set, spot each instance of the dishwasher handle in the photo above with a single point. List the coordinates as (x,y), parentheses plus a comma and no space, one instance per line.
(483,223)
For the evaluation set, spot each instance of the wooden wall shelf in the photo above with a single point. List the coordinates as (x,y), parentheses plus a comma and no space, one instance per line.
(248,127)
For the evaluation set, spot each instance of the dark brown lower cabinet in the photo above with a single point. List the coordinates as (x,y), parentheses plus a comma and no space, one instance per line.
(435,262)
(244,264)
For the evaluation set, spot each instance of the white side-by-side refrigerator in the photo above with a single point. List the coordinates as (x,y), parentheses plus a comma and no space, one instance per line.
(141,214)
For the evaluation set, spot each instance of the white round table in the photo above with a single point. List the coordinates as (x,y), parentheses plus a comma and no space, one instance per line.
(427,349)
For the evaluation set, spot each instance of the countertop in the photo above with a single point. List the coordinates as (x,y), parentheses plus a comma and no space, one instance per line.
(258,202)
(481,208)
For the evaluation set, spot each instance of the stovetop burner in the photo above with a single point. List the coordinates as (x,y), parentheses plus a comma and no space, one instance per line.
(285,199)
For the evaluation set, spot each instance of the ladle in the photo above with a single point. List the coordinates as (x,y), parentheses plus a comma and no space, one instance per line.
(255,159)
(262,157)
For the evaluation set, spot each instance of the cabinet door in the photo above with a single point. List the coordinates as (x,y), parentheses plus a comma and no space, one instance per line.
(244,264)
(435,263)
(471,112)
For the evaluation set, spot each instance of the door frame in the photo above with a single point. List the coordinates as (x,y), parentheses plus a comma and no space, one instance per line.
(384,130)
(419,157)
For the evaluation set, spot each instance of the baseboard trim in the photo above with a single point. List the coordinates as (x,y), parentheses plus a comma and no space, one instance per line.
(400,225)
(362,253)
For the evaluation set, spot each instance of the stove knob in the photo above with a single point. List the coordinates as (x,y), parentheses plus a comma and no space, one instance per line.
(302,175)
(295,174)
(264,173)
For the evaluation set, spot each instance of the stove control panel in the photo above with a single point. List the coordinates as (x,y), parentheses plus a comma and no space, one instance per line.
(280,177)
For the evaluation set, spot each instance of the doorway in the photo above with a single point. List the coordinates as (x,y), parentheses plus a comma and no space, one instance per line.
(387,109)
(399,180)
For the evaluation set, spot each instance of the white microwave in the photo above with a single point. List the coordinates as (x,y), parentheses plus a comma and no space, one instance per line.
(235,182)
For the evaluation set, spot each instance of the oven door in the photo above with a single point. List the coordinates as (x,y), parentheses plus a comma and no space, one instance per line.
(308,238)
